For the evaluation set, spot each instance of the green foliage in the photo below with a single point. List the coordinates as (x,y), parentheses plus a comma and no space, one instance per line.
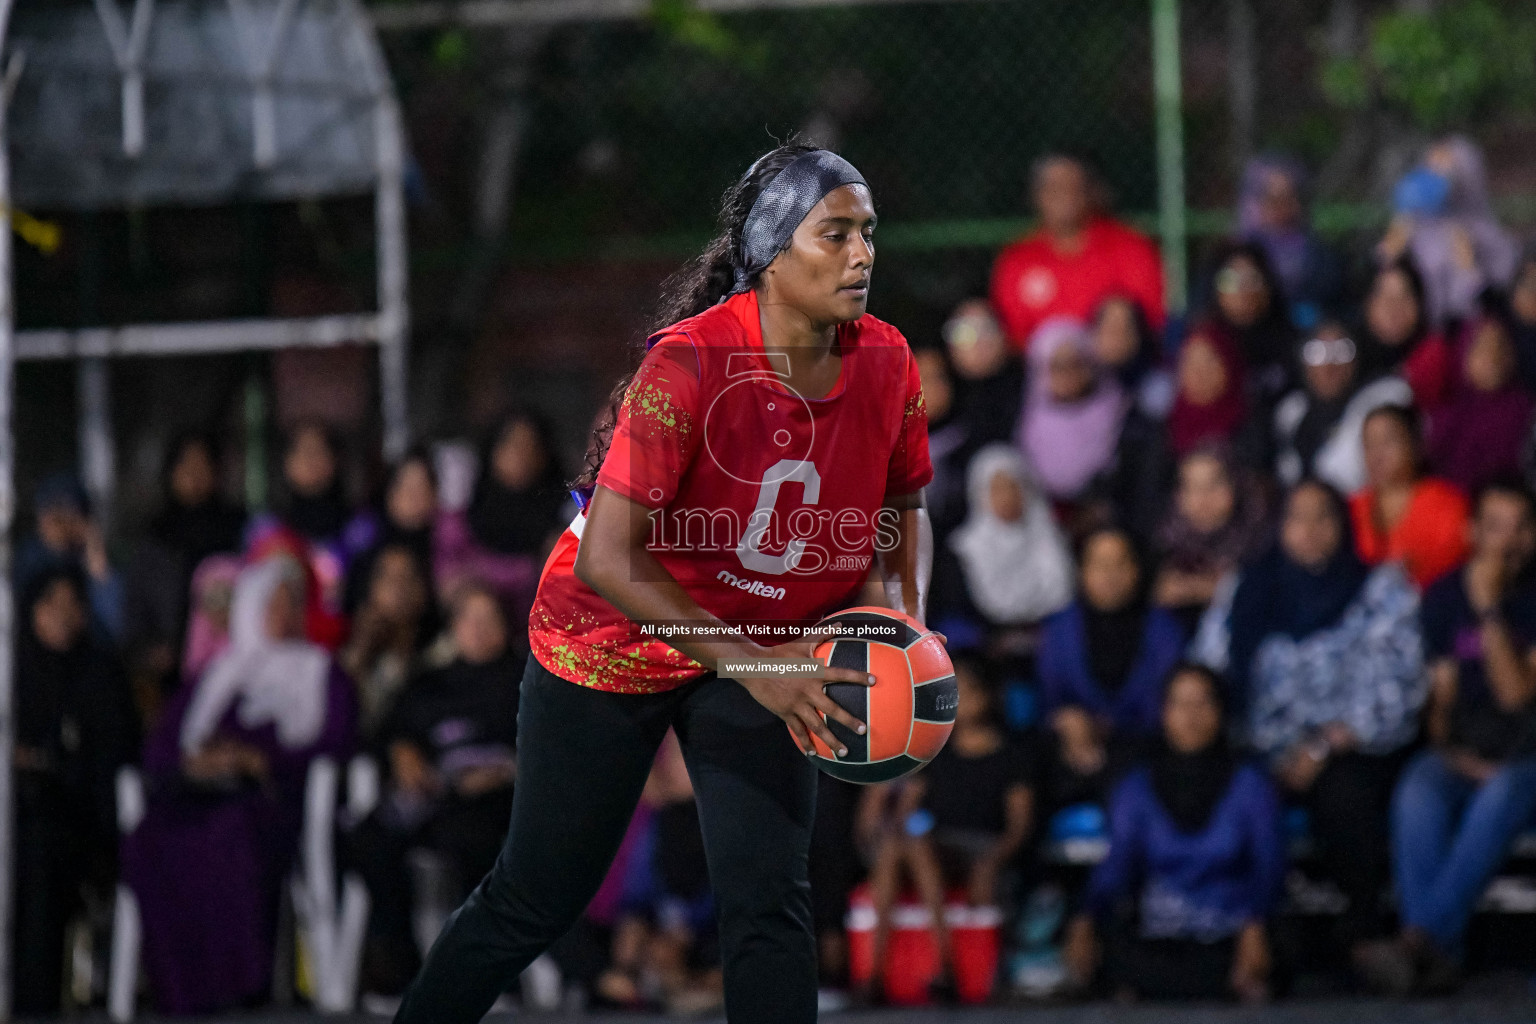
(450,50)
(1346,82)
(1444,67)
(638,127)
(686,25)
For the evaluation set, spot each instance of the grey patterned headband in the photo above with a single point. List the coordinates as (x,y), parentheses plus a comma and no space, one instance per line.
(784,203)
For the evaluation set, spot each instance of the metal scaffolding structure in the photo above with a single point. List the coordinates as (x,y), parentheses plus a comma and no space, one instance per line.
(186,102)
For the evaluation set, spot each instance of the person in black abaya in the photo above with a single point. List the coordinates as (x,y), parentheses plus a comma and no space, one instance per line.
(310,522)
(973,388)
(75,726)
(1247,299)
(449,746)
(314,503)
(195,521)
(1318,427)
(1126,345)
(520,490)
(989,377)
(520,504)
(405,516)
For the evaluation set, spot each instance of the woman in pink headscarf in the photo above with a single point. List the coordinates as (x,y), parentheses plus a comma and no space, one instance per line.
(1072,410)
(213,586)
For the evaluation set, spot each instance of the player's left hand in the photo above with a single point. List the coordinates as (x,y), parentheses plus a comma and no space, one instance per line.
(801,700)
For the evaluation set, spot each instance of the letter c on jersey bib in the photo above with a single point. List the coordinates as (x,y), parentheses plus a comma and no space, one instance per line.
(750,549)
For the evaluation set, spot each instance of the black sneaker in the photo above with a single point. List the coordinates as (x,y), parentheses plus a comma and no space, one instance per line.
(942,990)
(1439,974)
(1387,966)
(867,995)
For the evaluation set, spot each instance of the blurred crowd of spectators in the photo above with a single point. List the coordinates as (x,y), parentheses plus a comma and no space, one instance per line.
(1197,574)
(227,655)
(1257,576)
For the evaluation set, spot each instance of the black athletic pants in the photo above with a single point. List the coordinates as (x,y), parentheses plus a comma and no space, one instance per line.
(1349,803)
(583,757)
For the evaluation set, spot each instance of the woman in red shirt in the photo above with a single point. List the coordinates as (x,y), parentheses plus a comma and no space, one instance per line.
(1402,514)
(1079,256)
(765,468)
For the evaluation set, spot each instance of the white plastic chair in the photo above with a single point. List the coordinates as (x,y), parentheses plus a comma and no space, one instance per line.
(123,978)
(332,931)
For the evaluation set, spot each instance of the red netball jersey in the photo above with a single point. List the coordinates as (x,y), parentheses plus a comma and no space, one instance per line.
(766,503)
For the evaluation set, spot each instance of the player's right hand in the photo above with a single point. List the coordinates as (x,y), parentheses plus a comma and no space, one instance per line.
(801,700)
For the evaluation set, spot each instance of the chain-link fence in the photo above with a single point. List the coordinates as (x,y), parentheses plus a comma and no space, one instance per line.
(637,124)
(629,127)
(943,106)
(627,118)
(635,127)
(566,154)
(612,126)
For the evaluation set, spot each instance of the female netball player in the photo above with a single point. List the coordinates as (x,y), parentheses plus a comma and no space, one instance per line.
(765,468)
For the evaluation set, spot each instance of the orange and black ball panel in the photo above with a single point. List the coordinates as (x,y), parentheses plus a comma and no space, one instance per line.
(851,697)
(910,709)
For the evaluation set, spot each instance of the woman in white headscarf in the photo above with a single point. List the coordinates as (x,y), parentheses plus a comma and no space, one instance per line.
(225,770)
(1015,561)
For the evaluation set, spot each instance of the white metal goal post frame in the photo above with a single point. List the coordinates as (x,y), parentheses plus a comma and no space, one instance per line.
(387,327)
